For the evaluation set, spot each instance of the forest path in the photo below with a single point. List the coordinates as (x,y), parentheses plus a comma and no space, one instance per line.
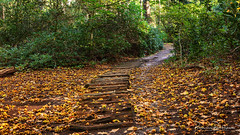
(109,96)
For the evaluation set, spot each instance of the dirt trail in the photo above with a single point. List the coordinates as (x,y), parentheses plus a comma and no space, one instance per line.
(148,61)
(159,57)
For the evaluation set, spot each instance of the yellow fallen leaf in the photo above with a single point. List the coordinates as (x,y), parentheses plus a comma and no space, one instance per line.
(224,101)
(184,93)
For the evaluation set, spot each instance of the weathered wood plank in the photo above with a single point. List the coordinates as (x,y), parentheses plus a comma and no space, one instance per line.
(109,83)
(76,127)
(112,96)
(113,75)
(109,90)
(107,87)
(120,117)
(106,93)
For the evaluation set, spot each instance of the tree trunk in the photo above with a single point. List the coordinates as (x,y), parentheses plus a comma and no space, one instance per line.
(3,12)
(159,12)
(147,10)
(141,6)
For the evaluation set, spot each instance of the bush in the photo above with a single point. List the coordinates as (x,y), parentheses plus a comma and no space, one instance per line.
(198,31)
(104,36)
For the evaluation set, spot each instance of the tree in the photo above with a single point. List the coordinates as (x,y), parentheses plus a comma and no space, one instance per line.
(3,12)
(147,10)
(3,9)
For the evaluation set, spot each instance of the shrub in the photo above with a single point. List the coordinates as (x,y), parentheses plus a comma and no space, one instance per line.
(104,36)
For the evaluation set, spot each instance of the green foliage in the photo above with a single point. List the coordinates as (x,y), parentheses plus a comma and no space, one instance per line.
(72,35)
(199,31)
(48,49)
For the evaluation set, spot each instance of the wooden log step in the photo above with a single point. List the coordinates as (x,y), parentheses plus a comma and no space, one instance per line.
(126,68)
(117,73)
(113,75)
(120,116)
(104,102)
(112,96)
(108,117)
(125,108)
(76,127)
(7,71)
(112,78)
(106,93)
(109,83)
(116,109)
(107,87)
(108,90)
(117,105)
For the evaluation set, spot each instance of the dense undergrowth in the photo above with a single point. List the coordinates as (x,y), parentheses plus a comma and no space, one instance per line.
(72,35)
(205,29)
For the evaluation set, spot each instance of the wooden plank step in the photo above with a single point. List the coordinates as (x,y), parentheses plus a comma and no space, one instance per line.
(107,87)
(108,117)
(125,108)
(120,116)
(105,83)
(106,93)
(105,96)
(76,127)
(110,79)
(109,83)
(113,75)
(101,102)
(117,73)
(106,90)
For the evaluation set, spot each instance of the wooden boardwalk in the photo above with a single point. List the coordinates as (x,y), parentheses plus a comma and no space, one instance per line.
(108,100)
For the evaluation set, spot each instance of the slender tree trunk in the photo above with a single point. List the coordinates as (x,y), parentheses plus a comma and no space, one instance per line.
(159,12)
(180,46)
(3,12)
(147,9)
(141,6)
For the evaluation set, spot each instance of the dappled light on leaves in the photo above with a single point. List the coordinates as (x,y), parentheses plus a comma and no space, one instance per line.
(42,101)
(170,99)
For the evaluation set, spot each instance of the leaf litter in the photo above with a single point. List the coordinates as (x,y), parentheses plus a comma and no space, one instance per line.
(173,100)
(166,100)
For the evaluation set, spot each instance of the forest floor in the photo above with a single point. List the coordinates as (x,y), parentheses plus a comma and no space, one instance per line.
(170,99)
(199,98)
